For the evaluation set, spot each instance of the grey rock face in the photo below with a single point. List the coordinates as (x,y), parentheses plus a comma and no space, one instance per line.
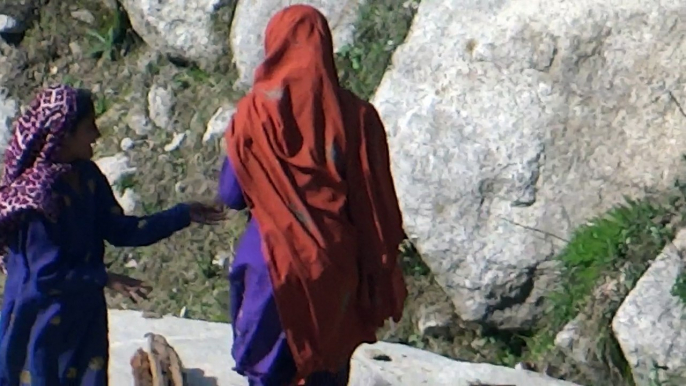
(650,325)
(9,108)
(252,16)
(180,28)
(512,122)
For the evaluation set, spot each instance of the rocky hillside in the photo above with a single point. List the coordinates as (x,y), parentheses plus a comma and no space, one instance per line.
(536,147)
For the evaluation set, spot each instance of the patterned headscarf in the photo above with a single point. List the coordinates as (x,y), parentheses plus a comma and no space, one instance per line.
(30,169)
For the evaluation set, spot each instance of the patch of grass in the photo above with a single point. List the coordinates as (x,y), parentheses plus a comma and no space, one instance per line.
(114,37)
(599,266)
(679,287)
(192,75)
(101,104)
(126,182)
(412,262)
(382,26)
(72,81)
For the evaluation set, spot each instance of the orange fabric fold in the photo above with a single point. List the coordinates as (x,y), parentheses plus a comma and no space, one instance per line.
(313,162)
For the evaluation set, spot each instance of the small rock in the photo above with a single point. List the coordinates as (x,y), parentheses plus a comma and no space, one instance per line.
(221,259)
(139,122)
(84,15)
(126,144)
(161,103)
(434,320)
(131,264)
(115,167)
(129,200)
(479,343)
(8,110)
(10,25)
(525,366)
(219,122)
(180,187)
(572,343)
(75,49)
(175,142)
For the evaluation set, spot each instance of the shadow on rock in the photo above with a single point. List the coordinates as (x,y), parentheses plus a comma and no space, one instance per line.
(196,377)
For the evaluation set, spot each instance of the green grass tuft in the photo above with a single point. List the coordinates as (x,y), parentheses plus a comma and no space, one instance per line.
(113,38)
(382,26)
(679,287)
(613,250)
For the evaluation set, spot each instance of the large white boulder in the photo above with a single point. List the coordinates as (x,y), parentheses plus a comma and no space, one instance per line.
(511,122)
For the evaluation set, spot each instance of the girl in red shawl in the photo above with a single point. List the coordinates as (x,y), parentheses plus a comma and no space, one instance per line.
(316,272)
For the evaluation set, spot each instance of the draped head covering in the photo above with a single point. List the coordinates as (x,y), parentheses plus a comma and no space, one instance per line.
(30,169)
(312,160)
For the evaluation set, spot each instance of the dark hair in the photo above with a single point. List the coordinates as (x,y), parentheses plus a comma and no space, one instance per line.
(85,107)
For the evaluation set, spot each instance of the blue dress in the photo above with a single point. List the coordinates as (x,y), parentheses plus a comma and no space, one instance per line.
(53,325)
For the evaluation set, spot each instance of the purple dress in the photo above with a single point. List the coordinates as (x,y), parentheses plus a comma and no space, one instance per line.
(53,326)
(259,348)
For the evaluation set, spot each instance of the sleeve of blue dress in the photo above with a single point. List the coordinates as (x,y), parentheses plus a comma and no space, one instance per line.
(121,230)
(50,269)
(230,192)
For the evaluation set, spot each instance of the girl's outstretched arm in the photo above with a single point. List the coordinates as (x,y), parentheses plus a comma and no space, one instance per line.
(121,230)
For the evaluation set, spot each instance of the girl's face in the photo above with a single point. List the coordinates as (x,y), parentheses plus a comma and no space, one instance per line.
(78,145)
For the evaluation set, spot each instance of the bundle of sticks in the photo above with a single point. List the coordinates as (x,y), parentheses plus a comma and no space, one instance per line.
(157,364)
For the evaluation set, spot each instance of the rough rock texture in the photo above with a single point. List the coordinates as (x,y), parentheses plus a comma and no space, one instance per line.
(115,167)
(161,102)
(16,16)
(205,349)
(650,325)
(180,28)
(8,110)
(512,122)
(251,18)
(218,123)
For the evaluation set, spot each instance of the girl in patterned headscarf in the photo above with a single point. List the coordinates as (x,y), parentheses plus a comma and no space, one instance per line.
(56,211)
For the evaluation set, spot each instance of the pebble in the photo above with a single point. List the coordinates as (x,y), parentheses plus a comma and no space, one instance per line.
(83,15)
(175,142)
(218,123)
(161,101)
(8,25)
(126,144)
(115,167)
(139,122)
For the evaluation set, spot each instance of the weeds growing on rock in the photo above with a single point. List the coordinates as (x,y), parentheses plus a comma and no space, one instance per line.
(599,266)
(381,27)
(679,288)
(114,38)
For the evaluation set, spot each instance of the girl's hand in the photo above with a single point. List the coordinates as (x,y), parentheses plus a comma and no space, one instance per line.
(133,289)
(207,214)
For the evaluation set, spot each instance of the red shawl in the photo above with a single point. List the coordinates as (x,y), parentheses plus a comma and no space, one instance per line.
(313,162)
